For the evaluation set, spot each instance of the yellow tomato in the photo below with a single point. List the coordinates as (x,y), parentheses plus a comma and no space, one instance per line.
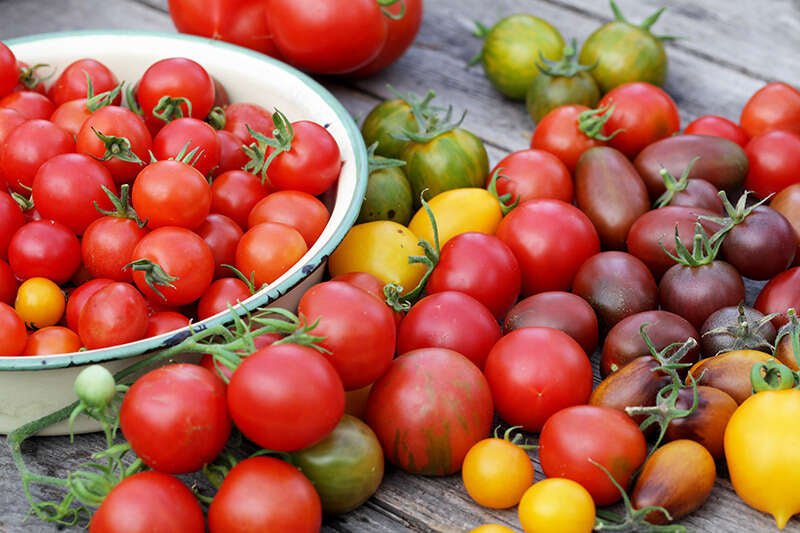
(492,528)
(458,211)
(496,473)
(557,505)
(39,302)
(381,248)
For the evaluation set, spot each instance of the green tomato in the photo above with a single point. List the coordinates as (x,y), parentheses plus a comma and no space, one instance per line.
(95,386)
(346,467)
(388,197)
(386,121)
(549,92)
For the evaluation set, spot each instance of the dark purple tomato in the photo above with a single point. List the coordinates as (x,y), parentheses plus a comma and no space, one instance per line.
(762,246)
(726,330)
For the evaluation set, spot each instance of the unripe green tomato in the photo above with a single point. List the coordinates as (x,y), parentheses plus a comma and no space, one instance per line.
(388,197)
(549,92)
(387,120)
(95,386)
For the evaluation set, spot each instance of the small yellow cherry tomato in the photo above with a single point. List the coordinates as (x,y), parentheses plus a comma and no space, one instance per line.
(557,505)
(496,473)
(492,528)
(380,248)
(39,302)
(458,211)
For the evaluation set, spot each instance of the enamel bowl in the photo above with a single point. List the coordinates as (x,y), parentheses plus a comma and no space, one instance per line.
(31,387)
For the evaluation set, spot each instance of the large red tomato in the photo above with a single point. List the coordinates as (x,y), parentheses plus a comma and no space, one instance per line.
(774,159)
(775,106)
(401,34)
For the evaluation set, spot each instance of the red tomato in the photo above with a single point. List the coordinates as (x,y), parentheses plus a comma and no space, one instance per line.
(429,409)
(148,501)
(312,163)
(9,73)
(171,193)
(52,340)
(221,235)
(107,245)
(305,213)
(299,389)
(231,155)
(645,113)
(14,336)
(71,115)
(27,147)
(241,117)
(11,219)
(718,127)
(535,372)
(402,32)
(178,78)
(44,248)
(115,314)
(265,494)
(183,135)
(164,322)
(358,330)
(9,119)
(550,239)
(529,174)
(609,437)
(776,106)
(779,294)
(268,250)
(220,294)
(558,133)
(29,104)
(774,159)
(8,283)
(234,193)
(72,83)
(78,297)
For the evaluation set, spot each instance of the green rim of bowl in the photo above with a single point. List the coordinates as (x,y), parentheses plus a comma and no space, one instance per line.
(261,298)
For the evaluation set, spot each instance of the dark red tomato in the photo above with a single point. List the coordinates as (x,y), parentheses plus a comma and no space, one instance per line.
(312,163)
(11,219)
(14,336)
(645,113)
(183,255)
(52,340)
(241,117)
(29,104)
(559,133)
(268,250)
(525,388)
(148,501)
(776,106)
(183,135)
(72,83)
(234,193)
(171,193)
(265,494)
(297,386)
(71,115)
(115,314)
(429,409)
(779,294)
(67,188)
(27,147)
(481,266)
(358,330)
(164,322)
(221,235)
(107,245)
(402,32)
(78,297)
(762,246)
(44,248)
(8,284)
(558,310)
(529,174)
(348,33)
(220,294)
(115,121)
(451,320)
(774,159)
(576,435)
(9,119)
(182,404)
(9,73)
(176,78)
(717,126)
(305,213)
(231,155)
(551,239)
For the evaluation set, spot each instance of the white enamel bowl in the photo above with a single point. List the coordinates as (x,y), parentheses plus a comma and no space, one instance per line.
(31,387)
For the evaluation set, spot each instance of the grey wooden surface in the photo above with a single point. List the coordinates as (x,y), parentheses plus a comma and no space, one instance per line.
(727,50)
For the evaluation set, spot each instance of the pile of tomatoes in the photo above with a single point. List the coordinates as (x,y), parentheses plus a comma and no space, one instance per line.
(143,213)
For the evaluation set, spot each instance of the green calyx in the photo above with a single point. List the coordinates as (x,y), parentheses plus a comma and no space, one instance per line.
(746,333)
(734,214)
(774,375)
(24,202)
(29,77)
(216,118)
(169,108)
(567,67)
(673,185)
(377,162)
(481,31)
(186,156)
(517,439)
(154,275)
(432,121)
(117,148)
(704,248)
(250,282)
(265,149)
(645,25)
(506,205)
(591,123)
(122,205)
(133,104)
(384,4)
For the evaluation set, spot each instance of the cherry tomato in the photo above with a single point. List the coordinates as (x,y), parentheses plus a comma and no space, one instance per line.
(107,245)
(183,81)
(496,473)
(39,302)
(718,127)
(11,219)
(776,106)
(171,193)
(268,250)
(52,340)
(8,283)
(779,294)
(220,294)
(29,104)
(311,164)
(9,119)
(44,248)
(241,117)
(234,193)
(774,158)
(529,174)
(77,299)
(115,314)
(557,505)
(183,135)
(9,73)
(231,155)
(305,213)
(27,147)
(222,235)
(72,83)
(164,322)
(14,336)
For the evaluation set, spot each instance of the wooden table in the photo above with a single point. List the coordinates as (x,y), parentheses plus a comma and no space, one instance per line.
(727,51)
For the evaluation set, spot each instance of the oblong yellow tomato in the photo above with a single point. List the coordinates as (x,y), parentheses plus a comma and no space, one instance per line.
(557,505)
(496,473)
(458,211)
(762,449)
(380,248)
(40,302)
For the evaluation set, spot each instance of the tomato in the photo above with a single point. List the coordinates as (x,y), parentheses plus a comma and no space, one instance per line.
(559,132)
(222,235)
(114,314)
(148,501)
(171,193)
(609,437)
(775,106)
(11,219)
(550,239)
(458,211)
(71,115)
(348,33)
(234,193)
(29,104)
(184,256)
(481,266)
(14,337)
(721,332)
(386,122)
(182,136)
(644,113)
(164,322)
(346,467)
(358,330)
(78,297)
(222,293)
(9,74)
(231,155)
(402,32)
(107,245)
(779,294)
(496,472)
(72,84)
(183,404)
(717,126)
(8,283)
(299,389)
(529,174)
(774,157)
(52,340)
(9,119)
(265,494)
(39,302)
(557,505)
(388,196)
(429,409)
(305,213)
(786,202)
(565,82)
(27,147)
(44,248)
(241,117)
(189,88)
(491,528)
(762,245)
(268,250)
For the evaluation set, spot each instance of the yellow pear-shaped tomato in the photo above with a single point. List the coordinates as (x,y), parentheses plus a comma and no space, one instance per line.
(380,248)
(762,448)
(458,211)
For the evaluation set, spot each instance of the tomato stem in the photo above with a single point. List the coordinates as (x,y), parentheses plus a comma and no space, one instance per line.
(567,67)
(505,206)
(169,108)
(216,118)
(153,275)
(117,147)
(30,78)
(122,205)
(673,185)
(591,122)
(388,3)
